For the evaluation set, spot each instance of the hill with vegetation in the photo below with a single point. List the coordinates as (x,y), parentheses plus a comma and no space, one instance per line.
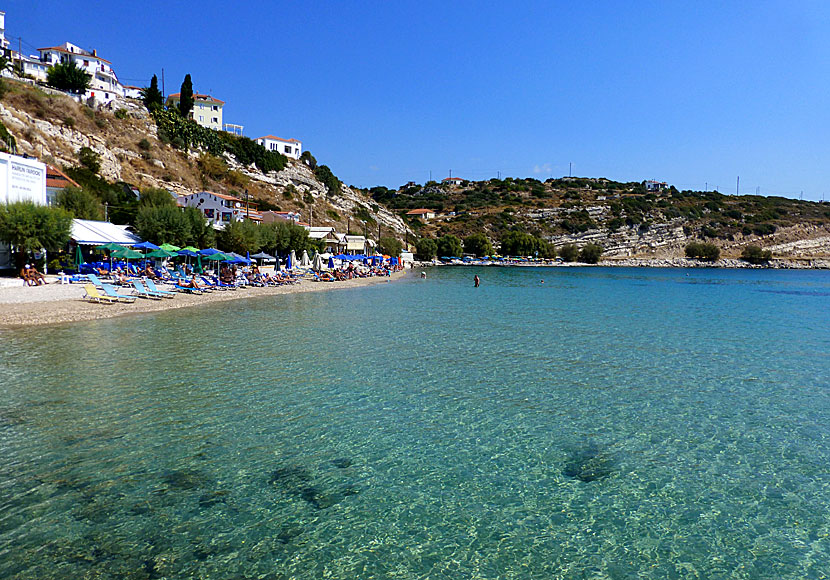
(623,218)
(114,152)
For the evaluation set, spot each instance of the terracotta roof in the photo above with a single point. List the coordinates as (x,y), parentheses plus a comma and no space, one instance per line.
(197,97)
(57,178)
(420,211)
(82,54)
(452,179)
(272,138)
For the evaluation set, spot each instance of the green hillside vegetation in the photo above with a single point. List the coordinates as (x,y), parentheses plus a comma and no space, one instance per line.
(574,205)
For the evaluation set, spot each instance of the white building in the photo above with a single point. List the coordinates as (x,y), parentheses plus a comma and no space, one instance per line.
(288,147)
(452,180)
(4,44)
(103,86)
(21,179)
(207,111)
(220,209)
(658,186)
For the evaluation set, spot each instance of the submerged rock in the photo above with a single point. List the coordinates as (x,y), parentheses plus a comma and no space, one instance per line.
(342,462)
(186,479)
(589,463)
(290,476)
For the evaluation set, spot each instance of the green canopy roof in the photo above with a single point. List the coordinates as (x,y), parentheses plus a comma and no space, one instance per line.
(170,247)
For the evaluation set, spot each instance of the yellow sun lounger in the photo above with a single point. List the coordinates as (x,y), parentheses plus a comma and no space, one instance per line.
(93,295)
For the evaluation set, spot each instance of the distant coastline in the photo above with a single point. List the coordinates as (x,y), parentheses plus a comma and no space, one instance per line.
(725,263)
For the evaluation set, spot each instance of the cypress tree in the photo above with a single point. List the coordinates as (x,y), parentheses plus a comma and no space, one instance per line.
(186,96)
(151,95)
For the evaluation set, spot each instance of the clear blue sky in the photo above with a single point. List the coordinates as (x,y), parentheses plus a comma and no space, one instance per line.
(385,92)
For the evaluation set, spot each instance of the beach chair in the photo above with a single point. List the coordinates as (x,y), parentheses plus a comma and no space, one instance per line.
(110,291)
(143,292)
(151,286)
(95,280)
(92,295)
(187,289)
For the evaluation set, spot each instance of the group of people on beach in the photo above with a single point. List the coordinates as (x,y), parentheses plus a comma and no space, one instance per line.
(32,276)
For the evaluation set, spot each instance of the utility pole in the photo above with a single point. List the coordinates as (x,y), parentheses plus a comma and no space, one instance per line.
(706,187)
(247,210)
(738,186)
(162,83)
(499,174)
(106,207)
(310,216)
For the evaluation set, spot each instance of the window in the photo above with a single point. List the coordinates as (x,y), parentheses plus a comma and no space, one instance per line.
(287,149)
(201,118)
(216,119)
(273,146)
(215,108)
(226,216)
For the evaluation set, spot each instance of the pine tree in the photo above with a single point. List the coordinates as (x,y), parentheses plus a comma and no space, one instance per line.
(186,96)
(151,95)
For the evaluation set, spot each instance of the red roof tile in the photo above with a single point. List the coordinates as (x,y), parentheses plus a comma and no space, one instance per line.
(272,138)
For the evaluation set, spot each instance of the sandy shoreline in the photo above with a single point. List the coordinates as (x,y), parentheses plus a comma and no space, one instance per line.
(58,304)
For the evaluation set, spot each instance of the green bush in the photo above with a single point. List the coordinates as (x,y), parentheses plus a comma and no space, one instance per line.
(449,246)
(478,244)
(569,253)
(121,114)
(590,253)
(144,144)
(426,249)
(709,252)
(390,246)
(80,203)
(89,159)
(755,255)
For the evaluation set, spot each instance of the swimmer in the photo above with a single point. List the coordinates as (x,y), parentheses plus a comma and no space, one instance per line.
(476,281)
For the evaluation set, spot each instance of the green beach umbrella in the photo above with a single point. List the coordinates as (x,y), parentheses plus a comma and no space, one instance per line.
(110,247)
(79,257)
(218,257)
(162,253)
(127,254)
(190,249)
(169,248)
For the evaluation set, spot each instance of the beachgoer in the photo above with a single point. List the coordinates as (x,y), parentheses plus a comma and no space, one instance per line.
(476,280)
(37,276)
(149,273)
(423,275)
(27,276)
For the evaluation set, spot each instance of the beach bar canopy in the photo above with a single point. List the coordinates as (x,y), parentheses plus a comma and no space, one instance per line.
(94,233)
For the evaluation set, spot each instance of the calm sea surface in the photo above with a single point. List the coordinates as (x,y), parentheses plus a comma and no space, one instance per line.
(607,423)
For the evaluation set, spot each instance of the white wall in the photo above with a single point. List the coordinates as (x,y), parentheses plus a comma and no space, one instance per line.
(22,179)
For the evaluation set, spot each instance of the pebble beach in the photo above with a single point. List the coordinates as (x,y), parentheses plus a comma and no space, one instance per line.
(57,303)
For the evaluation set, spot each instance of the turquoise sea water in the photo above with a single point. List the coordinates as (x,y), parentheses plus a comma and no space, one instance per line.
(607,423)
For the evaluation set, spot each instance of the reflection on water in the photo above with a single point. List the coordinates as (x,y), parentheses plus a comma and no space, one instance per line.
(607,423)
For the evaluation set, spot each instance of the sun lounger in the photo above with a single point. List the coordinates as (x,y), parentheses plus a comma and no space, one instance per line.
(143,292)
(151,286)
(93,295)
(110,291)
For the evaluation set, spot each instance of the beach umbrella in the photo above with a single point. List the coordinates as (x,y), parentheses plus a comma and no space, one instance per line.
(161,253)
(109,247)
(304,261)
(331,263)
(79,258)
(190,249)
(126,254)
(217,257)
(187,253)
(291,261)
(146,246)
(170,247)
(209,251)
(317,265)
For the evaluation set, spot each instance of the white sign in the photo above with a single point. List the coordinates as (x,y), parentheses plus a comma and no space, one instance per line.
(22,179)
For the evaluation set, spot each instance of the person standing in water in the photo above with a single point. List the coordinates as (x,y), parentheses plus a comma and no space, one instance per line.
(476,280)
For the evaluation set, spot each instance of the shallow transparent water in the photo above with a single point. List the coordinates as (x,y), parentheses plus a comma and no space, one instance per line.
(609,423)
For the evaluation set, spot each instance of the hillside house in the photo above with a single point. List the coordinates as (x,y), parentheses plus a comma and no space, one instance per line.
(452,181)
(103,86)
(327,235)
(57,181)
(271,216)
(656,186)
(220,209)
(288,147)
(4,44)
(424,214)
(207,110)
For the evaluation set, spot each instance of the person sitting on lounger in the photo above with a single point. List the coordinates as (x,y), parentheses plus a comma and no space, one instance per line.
(25,274)
(191,284)
(37,276)
(149,273)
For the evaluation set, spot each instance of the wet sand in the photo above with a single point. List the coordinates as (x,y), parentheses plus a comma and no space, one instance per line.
(61,303)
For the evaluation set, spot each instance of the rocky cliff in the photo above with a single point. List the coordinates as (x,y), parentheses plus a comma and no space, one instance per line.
(53,128)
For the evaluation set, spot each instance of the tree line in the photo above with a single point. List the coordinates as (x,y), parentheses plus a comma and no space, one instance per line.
(512,243)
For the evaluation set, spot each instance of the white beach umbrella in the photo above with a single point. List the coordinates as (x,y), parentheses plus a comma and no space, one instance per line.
(293,259)
(317,265)
(305,262)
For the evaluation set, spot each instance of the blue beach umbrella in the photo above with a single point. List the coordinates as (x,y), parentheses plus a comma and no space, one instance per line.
(288,264)
(331,263)
(209,251)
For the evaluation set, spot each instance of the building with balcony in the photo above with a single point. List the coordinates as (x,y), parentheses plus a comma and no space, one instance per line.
(288,147)
(207,110)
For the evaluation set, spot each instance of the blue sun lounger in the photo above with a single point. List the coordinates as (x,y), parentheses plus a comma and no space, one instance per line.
(110,291)
(151,286)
